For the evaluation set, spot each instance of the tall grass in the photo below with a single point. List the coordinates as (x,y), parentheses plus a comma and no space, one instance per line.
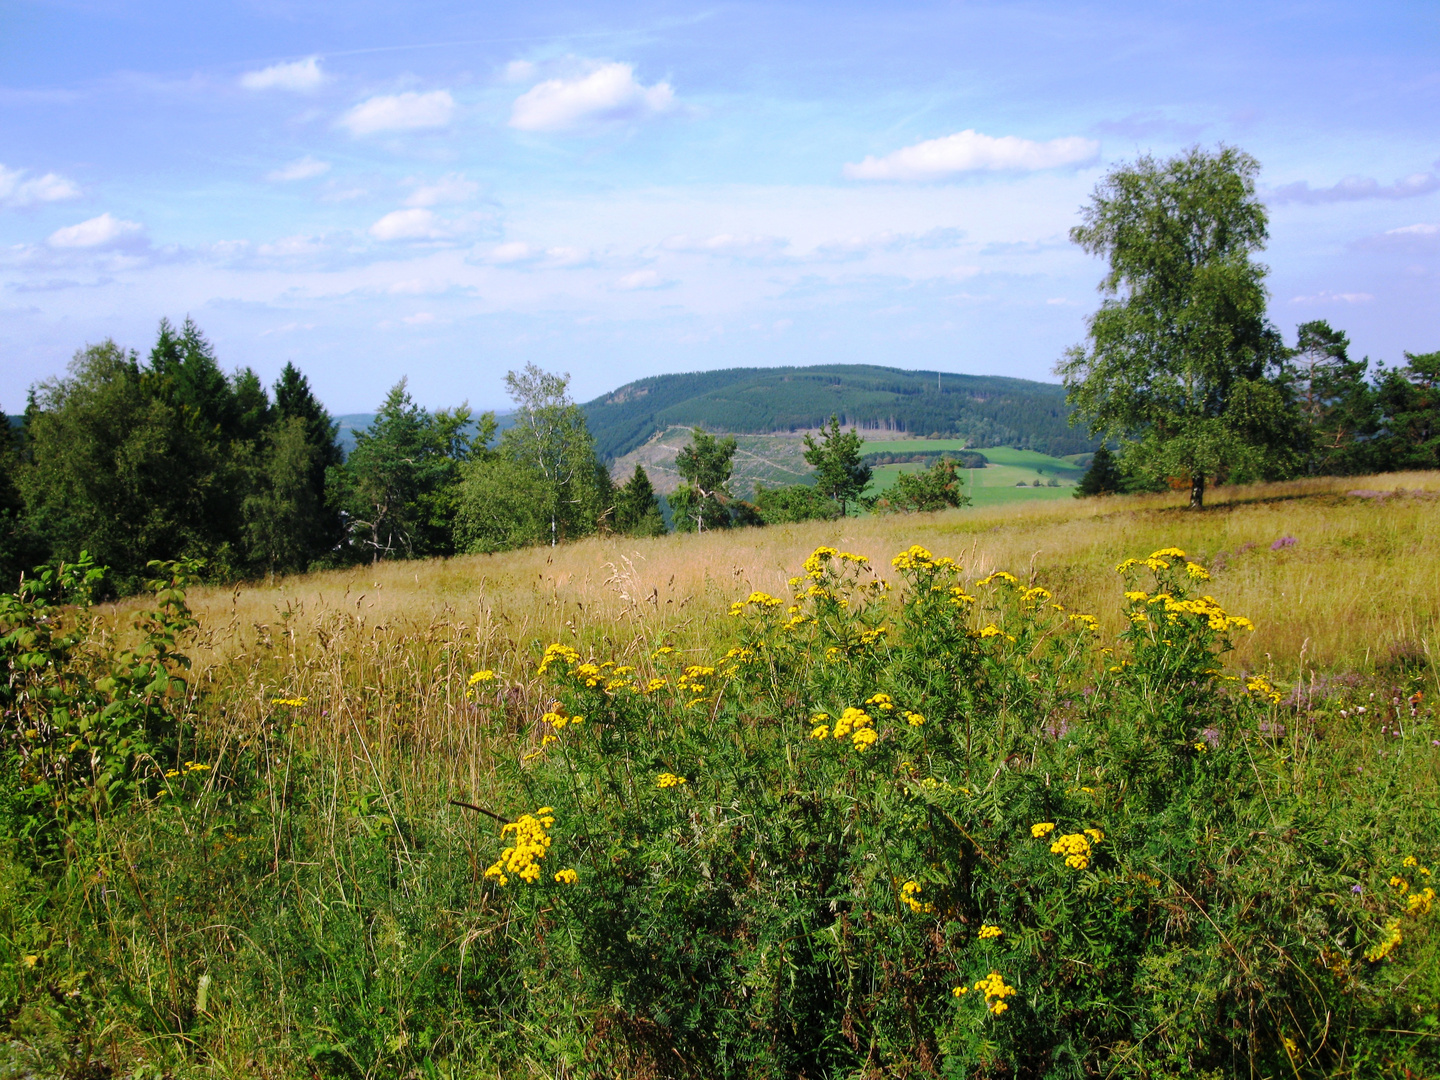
(322,880)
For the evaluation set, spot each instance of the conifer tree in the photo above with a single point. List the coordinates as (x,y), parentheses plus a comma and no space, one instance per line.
(1103,476)
(637,508)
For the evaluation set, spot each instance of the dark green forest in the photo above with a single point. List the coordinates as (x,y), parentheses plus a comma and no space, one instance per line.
(167,456)
(985,410)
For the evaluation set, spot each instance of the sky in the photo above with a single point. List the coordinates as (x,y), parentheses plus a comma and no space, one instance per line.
(446,191)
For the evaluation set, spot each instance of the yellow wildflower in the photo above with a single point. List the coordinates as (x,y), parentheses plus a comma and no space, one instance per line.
(522,858)
(1044,828)
(1419,903)
(987,931)
(909,896)
(291,702)
(669,780)
(995,991)
(566,877)
(914,719)
(482,676)
(1393,937)
(820,731)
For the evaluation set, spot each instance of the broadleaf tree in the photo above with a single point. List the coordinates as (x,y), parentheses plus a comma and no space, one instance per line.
(1181,367)
(840,473)
(705,466)
(550,436)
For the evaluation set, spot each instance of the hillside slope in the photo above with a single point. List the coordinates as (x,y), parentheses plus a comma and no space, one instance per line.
(983,410)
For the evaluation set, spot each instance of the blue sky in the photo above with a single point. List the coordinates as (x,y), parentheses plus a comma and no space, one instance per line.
(446,191)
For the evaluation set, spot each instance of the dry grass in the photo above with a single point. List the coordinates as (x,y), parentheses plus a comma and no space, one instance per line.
(387,649)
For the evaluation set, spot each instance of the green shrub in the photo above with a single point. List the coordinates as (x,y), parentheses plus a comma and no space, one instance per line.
(959,835)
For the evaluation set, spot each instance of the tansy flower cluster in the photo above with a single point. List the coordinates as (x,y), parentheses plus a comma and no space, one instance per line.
(522,858)
(481,676)
(994,989)
(854,724)
(917,558)
(758,600)
(290,702)
(910,897)
(1076,847)
(987,931)
(669,780)
(558,718)
(1261,688)
(558,652)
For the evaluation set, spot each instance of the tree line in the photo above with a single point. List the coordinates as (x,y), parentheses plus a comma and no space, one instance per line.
(1183,372)
(168,456)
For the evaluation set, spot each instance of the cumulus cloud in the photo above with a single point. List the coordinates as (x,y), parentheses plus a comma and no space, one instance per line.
(607,94)
(451,188)
(400,112)
(641,279)
(518,71)
(298,75)
(1353,188)
(970,151)
(15,190)
(1419,238)
(98,232)
(306,168)
(413,224)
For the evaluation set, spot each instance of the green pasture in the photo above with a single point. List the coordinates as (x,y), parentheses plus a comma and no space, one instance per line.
(997,483)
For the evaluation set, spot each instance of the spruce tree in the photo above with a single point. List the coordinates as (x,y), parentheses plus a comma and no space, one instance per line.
(637,508)
(1103,476)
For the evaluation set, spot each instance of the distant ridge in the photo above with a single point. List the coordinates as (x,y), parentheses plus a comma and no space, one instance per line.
(985,410)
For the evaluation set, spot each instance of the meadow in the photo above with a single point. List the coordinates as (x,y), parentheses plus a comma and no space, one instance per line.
(722,805)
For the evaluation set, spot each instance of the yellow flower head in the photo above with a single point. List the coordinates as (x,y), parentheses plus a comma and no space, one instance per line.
(669,780)
(566,877)
(987,931)
(481,676)
(1044,828)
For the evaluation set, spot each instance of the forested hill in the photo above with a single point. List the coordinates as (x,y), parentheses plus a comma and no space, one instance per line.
(986,410)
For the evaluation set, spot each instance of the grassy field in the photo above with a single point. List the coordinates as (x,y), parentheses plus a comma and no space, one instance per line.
(1008,478)
(295,892)
(778,460)
(1377,561)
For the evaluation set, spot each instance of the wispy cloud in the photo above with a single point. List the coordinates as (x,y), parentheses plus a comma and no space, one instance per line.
(400,112)
(451,188)
(730,245)
(642,279)
(1147,125)
(15,190)
(1326,297)
(970,151)
(1353,188)
(98,232)
(1420,238)
(608,94)
(306,168)
(518,253)
(299,75)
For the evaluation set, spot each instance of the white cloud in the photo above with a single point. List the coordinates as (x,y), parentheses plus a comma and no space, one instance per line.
(738,245)
(420,318)
(15,190)
(970,151)
(400,112)
(608,93)
(306,168)
(414,224)
(518,71)
(1325,297)
(1422,237)
(641,279)
(519,253)
(298,75)
(452,188)
(1353,188)
(102,231)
